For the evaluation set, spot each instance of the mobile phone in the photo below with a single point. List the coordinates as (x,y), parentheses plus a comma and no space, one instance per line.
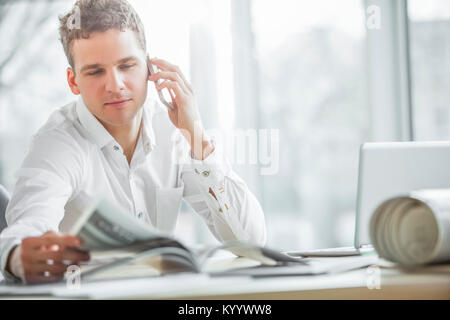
(163,94)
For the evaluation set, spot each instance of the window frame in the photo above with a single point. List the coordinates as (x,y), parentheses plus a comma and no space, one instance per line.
(389,73)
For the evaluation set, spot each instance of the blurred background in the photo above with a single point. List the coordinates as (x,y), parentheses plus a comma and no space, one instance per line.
(320,72)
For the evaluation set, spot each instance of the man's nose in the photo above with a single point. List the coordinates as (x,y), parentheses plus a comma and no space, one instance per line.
(114,81)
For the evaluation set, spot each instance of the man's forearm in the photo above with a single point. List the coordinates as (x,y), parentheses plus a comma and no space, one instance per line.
(201,144)
(206,149)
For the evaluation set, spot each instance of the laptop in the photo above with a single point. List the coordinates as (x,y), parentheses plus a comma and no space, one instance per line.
(388,169)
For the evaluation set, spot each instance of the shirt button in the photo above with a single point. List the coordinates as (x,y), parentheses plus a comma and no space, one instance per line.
(140,214)
(205,173)
(116,148)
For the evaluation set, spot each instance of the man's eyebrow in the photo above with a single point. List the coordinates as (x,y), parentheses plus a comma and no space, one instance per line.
(127,59)
(90,66)
(98,65)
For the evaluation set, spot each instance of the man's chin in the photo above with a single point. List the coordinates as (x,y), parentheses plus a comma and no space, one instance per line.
(119,118)
(119,122)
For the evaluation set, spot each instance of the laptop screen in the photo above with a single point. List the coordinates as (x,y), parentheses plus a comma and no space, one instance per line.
(391,169)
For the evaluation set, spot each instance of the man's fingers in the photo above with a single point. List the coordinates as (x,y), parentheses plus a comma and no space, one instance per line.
(55,269)
(62,241)
(46,258)
(167,66)
(171,85)
(66,254)
(66,239)
(167,75)
(164,65)
(42,277)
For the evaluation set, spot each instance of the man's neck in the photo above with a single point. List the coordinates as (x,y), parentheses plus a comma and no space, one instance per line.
(127,136)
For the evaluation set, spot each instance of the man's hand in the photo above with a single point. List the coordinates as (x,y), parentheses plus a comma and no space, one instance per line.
(185,115)
(46,258)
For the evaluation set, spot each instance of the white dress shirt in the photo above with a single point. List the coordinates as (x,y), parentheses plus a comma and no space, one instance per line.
(73,155)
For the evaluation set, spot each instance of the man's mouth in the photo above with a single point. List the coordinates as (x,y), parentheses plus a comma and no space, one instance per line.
(117,103)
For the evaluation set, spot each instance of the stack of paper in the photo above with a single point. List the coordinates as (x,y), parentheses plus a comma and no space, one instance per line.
(413,229)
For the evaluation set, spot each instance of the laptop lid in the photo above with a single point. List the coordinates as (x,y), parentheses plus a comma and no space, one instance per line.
(388,169)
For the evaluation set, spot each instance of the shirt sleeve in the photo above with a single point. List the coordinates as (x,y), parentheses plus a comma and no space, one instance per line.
(48,177)
(230,210)
(17,272)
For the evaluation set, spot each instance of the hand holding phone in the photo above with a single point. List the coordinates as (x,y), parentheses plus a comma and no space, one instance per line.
(183,111)
(163,94)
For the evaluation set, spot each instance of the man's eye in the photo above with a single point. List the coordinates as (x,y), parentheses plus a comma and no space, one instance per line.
(95,72)
(126,66)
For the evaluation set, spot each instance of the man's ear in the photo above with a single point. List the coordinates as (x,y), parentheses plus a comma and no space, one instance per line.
(72,81)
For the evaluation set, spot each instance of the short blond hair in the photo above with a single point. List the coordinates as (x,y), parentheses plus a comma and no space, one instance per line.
(98,16)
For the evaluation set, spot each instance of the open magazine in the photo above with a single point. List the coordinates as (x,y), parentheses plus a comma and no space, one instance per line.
(413,229)
(116,238)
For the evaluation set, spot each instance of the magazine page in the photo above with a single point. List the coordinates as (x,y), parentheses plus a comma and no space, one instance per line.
(106,226)
(169,259)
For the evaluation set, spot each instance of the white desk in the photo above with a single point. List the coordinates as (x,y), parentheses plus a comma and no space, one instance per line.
(427,283)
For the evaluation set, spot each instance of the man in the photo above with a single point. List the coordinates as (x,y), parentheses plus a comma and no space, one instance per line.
(114,142)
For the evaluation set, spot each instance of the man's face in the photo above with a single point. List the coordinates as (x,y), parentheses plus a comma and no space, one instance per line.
(111,75)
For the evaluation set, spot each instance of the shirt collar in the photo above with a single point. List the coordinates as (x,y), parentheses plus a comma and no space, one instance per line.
(102,137)
(95,129)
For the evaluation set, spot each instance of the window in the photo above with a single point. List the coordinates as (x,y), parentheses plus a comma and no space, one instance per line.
(32,76)
(311,75)
(429,25)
